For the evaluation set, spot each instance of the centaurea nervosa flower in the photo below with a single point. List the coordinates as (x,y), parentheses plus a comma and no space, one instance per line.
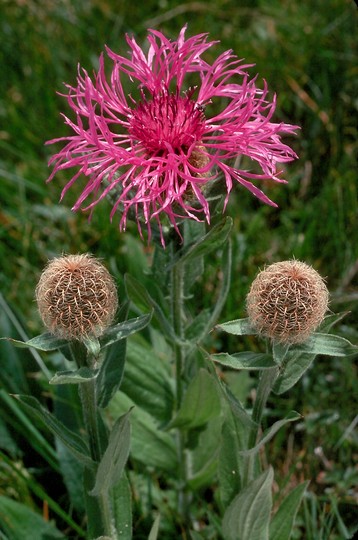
(157,150)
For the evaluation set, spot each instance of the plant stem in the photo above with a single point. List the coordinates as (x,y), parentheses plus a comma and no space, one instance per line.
(266,382)
(177,305)
(90,416)
(89,411)
(177,279)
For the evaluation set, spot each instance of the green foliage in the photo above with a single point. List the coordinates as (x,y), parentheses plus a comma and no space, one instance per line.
(306,53)
(18,522)
(283,521)
(248,515)
(201,403)
(111,467)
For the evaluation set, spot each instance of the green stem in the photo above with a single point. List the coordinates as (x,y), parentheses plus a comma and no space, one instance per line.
(266,382)
(177,313)
(89,411)
(177,280)
(90,416)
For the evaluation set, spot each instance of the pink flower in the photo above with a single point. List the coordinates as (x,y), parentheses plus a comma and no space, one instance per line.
(156,151)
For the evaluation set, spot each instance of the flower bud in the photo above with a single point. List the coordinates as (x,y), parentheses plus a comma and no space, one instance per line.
(287,302)
(76,297)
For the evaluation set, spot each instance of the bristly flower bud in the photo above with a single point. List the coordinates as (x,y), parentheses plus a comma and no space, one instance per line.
(287,302)
(76,297)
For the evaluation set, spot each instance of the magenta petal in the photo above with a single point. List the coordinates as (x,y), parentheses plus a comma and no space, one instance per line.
(155,149)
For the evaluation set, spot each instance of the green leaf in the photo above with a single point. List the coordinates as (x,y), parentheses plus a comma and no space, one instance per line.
(283,521)
(141,297)
(300,357)
(230,460)
(153,535)
(148,380)
(82,375)
(44,342)
(72,475)
(67,409)
(201,402)
(248,516)
(213,240)
(327,344)
(279,352)
(226,262)
(244,360)
(74,442)
(112,464)
(111,372)
(238,327)
(193,231)
(124,329)
(22,423)
(7,442)
(295,366)
(19,521)
(205,476)
(23,476)
(203,454)
(197,327)
(92,345)
(149,445)
(237,409)
(93,510)
(269,433)
(331,320)
(122,507)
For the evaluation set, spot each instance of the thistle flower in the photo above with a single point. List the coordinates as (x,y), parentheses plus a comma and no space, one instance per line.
(76,297)
(287,301)
(156,151)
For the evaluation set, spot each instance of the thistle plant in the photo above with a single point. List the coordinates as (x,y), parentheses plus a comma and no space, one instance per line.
(165,139)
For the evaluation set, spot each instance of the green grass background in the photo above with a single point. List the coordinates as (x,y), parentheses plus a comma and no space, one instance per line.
(307,52)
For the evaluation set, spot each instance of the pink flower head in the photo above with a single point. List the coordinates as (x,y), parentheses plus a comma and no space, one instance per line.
(156,151)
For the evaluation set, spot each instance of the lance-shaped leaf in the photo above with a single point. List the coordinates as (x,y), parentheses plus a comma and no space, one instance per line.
(82,375)
(141,297)
(283,521)
(112,464)
(92,345)
(331,320)
(244,360)
(226,262)
(124,329)
(327,344)
(153,535)
(18,521)
(300,357)
(269,433)
(295,366)
(44,342)
(111,372)
(150,446)
(122,508)
(279,352)
(213,240)
(238,327)
(248,516)
(201,402)
(74,442)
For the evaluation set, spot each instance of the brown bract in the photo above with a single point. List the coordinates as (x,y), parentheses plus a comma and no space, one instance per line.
(287,301)
(76,297)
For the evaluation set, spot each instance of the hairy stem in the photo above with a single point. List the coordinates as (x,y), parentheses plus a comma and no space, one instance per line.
(90,416)
(177,313)
(266,382)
